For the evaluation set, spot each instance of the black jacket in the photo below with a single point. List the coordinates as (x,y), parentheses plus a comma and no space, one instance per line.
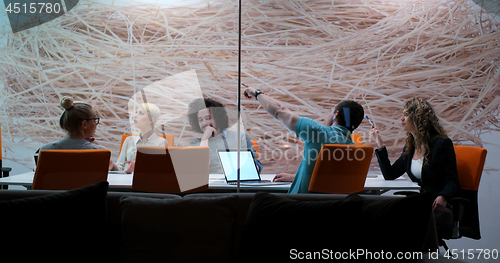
(439,173)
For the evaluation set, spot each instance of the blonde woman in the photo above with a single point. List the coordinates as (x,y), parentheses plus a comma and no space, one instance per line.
(428,156)
(145,118)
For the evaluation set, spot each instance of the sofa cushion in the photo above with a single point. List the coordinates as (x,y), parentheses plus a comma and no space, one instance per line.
(394,224)
(178,230)
(58,227)
(276,225)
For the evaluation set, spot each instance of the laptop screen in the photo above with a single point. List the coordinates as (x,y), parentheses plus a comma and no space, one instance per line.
(228,161)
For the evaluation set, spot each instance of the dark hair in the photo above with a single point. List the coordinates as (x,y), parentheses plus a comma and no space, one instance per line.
(351,114)
(217,110)
(73,115)
(426,125)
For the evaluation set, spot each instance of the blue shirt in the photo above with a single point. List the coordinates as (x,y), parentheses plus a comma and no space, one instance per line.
(314,136)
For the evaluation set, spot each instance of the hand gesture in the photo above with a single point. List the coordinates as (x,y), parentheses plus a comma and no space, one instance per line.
(131,167)
(249,91)
(209,132)
(374,135)
(439,205)
(111,166)
(283,177)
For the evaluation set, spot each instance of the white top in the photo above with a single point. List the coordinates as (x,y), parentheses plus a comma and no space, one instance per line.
(416,167)
(129,148)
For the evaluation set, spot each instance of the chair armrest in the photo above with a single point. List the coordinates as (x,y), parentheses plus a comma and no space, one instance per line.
(457,204)
(458,200)
(406,193)
(5,171)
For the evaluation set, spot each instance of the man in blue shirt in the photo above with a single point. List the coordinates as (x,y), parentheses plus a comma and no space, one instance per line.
(339,124)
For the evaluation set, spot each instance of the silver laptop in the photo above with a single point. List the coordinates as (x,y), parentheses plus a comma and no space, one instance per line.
(248,171)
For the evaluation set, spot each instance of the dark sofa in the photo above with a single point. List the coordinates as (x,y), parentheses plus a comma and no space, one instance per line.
(90,223)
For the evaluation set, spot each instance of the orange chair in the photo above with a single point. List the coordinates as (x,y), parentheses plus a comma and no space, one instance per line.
(357,138)
(168,137)
(256,146)
(171,169)
(341,169)
(70,169)
(470,164)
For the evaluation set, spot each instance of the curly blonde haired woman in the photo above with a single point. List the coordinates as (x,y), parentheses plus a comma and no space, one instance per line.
(428,156)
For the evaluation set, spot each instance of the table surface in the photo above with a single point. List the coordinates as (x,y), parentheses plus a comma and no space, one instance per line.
(217,182)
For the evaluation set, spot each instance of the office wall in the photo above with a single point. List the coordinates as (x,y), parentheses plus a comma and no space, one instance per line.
(308,54)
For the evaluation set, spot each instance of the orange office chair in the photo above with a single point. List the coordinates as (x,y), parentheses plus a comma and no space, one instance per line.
(171,169)
(5,170)
(341,169)
(357,138)
(256,146)
(70,169)
(168,137)
(470,163)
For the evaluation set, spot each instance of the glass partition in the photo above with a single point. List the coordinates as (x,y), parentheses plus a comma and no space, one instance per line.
(309,55)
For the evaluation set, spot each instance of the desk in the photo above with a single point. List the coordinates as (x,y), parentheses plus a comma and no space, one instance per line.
(216,182)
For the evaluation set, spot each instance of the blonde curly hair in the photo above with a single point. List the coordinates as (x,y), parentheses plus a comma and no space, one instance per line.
(426,125)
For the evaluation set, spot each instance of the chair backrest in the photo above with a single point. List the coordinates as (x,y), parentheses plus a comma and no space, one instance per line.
(341,169)
(171,169)
(470,164)
(357,138)
(168,137)
(256,146)
(70,169)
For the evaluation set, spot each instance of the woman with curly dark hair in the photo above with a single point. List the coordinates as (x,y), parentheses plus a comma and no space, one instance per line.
(428,156)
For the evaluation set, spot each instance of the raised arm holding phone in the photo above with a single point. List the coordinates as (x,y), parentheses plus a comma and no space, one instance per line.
(428,156)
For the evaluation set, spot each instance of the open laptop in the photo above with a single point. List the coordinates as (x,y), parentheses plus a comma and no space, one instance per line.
(248,171)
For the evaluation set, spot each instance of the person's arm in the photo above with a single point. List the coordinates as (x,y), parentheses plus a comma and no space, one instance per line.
(112,166)
(119,165)
(451,184)
(375,135)
(390,172)
(131,167)
(329,118)
(208,133)
(195,142)
(274,107)
(284,177)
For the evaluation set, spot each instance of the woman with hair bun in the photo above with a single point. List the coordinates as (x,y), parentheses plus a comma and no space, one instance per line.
(79,121)
(428,156)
